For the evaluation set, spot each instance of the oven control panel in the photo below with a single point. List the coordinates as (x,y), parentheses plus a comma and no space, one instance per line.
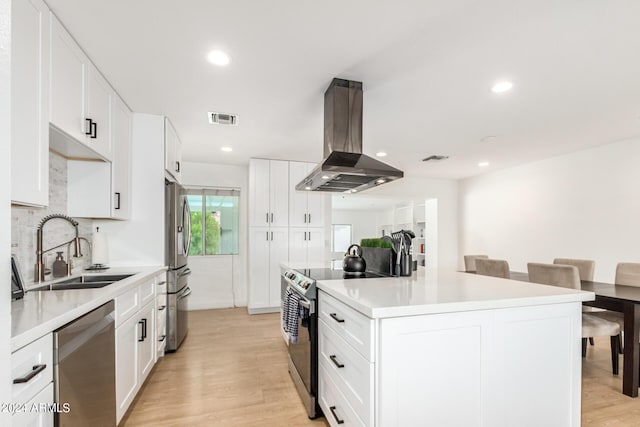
(299,281)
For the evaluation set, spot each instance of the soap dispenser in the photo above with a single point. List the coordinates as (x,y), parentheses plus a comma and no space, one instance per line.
(59,266)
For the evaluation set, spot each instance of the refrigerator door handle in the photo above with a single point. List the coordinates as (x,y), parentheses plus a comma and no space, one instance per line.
(185,294)
(186,272)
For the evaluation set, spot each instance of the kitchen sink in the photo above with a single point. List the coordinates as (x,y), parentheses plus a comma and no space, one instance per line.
(84,282)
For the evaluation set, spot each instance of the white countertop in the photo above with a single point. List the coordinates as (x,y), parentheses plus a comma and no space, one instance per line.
(443,291)
(41,312)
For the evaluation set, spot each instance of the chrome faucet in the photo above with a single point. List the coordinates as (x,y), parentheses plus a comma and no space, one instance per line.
(40,266)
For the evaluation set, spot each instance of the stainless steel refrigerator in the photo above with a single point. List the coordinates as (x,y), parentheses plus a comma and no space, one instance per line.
(178,240)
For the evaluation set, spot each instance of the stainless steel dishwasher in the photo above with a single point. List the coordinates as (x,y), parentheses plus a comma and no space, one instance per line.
(84,371)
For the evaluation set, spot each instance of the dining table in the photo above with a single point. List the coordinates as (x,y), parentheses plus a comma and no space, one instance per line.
(625,300)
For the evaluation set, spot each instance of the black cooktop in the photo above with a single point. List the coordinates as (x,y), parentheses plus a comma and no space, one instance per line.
(329,274)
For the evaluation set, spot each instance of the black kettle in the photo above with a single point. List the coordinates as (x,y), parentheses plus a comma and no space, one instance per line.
(353,262)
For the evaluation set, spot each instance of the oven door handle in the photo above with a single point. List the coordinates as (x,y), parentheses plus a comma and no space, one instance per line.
(306,304)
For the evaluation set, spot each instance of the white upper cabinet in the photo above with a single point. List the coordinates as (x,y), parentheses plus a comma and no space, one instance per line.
(172,151)
(80,98)
(30,103)
(121,118)
(306,208)
(98,115)
(269,193)
(69,68)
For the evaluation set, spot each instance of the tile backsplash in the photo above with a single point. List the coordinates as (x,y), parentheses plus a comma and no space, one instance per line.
(25,221)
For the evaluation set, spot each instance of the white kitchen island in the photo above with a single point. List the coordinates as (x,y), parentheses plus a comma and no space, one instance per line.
(445,348)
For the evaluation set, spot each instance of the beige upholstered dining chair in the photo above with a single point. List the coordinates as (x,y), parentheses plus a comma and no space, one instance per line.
(470,262)
(627,274)
(586,267)
(568,276)
(492,267)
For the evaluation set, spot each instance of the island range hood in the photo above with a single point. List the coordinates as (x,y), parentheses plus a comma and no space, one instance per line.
(344,168)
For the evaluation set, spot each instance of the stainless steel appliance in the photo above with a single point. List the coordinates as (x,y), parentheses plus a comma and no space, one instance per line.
(178,240)
(345,168)
(84,371)
(303,352)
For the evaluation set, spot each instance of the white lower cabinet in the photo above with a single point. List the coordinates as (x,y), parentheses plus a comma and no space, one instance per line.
(135,343)
(32,389)
(268,248)
(422,369)
(36,412)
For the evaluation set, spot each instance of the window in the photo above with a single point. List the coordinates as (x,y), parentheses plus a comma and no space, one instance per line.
(214,221)
(341,237)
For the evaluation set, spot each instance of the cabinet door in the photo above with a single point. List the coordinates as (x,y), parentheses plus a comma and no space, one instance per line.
(146,353)
(178,157)
(121,164)
(99,95)
(279,193)
(316,204)
(30,103)
(30,418)
(68,82)
(298,245)
(259,239)
(127,372)
(278,252)
(298,213)
(259,192)
(316,249)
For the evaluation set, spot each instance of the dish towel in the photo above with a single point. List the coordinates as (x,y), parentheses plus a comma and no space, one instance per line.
(290,313)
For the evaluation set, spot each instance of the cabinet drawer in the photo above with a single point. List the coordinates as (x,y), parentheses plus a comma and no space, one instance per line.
(126,305)
(334,405)
(355,328)
(39,418)
(28,360)
(147,292)
(349,370)
(161,284)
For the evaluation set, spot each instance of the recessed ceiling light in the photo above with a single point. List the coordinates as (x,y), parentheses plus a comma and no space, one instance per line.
(307,188)
(227,149)
(380,181)
(483,164)
(381,154)
(218,57)
(502,86)
(489,138)
(325,176)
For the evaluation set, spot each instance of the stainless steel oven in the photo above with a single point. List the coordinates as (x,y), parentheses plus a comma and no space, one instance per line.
(303,350)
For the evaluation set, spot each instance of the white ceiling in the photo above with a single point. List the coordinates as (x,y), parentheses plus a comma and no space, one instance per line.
(426,67)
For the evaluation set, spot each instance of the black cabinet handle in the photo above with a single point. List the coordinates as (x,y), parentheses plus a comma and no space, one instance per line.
(267,235)
(117,201)
(141,332)
(305,218)
(35,371)
(305,236)
(162,338)
(144,328)
(177,166)
(88,126)
(267,214)
(272,235)
(272,217)
(162,307)
(334,359)
(333,412)
(309,218)
(94,130)
(335,317)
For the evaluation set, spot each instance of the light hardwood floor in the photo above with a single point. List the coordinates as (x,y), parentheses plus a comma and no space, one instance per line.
(232,371)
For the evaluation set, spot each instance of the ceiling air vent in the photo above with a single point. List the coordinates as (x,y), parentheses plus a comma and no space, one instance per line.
(223,119)
(435,158)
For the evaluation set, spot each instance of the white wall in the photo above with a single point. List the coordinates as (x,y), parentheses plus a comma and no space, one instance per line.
(5,204)
(220,280)
(363,222)
(580,205)
(446,193)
